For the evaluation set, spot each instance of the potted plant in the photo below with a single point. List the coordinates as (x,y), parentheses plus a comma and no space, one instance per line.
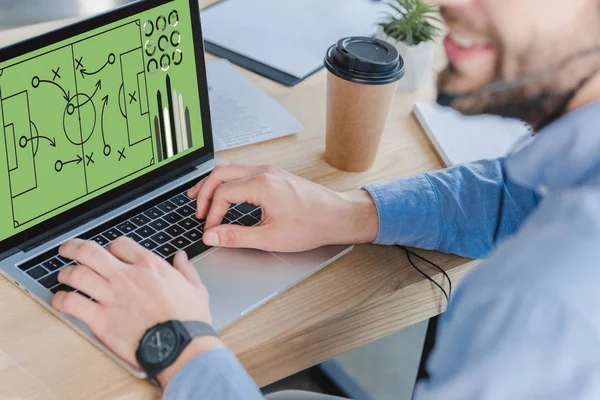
(412,26)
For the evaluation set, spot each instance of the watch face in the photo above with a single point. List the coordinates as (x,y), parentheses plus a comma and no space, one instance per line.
(158,345)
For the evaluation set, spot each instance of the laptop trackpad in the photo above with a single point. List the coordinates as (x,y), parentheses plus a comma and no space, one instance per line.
(239,280)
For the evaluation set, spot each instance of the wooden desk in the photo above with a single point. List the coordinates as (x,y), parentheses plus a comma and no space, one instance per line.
(366,295)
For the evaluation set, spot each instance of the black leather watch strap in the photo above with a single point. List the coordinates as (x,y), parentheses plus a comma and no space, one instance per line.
(198,329)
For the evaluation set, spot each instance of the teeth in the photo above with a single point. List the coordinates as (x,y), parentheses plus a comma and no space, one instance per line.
(462,41)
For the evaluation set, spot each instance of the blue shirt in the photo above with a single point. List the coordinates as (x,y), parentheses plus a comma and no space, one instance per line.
(525,324)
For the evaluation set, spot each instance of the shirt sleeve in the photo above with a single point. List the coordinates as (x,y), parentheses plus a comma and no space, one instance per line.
(460,210)
(216,374)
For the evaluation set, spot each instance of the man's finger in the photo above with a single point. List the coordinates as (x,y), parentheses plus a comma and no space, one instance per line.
(85,280)
(239,191)
(235,236)
(128,250)
(183,265)
(79,307)
(220,175)
(91,254)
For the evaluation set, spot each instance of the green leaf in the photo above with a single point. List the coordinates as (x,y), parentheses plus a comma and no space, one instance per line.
(411,21)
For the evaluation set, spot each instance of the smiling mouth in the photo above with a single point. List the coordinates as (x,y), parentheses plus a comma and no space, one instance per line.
(460,47)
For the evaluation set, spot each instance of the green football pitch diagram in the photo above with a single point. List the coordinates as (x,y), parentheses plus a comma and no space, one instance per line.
(91,113)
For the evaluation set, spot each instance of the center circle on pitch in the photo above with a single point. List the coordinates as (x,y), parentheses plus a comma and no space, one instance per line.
(79,125)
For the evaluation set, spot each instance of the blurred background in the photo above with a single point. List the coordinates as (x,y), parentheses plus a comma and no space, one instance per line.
(15,13)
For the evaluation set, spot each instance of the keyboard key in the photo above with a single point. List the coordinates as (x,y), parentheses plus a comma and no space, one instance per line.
(194,235)
(166,207)
(53,264)
(175,230)
(226,221)
(62,288)
(158,224)
(64,260)
(154,213)
(233,214)
(101,240)
(126,227)
(161,237)
(248,220)
(180,200)
(188,223)
(112,234)
(145,231)
(257,213)
(180,242)
(149,244)
(37,272)
(135,237)
(237,223)
(173,218)
(140,220)
(186,211)
(165,250)
(245,208)
(194,250)
(50,281)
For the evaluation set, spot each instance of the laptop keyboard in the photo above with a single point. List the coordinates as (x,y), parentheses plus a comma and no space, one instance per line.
(164,226)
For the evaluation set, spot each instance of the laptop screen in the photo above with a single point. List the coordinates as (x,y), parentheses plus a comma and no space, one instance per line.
(95,110)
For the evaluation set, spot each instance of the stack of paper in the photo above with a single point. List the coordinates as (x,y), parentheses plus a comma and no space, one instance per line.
(459,139)
(241,113)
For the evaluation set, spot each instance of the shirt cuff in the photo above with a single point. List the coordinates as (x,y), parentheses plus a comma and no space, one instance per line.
(408,211)
(215,374)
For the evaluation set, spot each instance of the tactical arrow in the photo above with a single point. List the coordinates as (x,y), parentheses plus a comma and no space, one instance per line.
(98,87)
(107,148)
(66,95)
(111,60)
(78,160)
(58,166)
(23,141)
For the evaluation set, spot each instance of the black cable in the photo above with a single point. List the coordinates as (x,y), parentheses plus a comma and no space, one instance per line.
(408,256)
(436,267)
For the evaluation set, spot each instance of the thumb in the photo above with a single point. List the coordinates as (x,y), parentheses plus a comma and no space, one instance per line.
(236,236)
(183,265)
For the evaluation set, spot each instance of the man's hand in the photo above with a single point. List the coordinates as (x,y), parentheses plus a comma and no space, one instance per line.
(298,215)
(134,290)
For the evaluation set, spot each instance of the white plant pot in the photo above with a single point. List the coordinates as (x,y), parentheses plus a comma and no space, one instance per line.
(418,61)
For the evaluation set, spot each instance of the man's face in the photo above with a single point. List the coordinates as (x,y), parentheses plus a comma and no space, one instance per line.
(490,41)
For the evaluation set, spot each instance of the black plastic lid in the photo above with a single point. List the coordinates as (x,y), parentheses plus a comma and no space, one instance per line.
(365,60)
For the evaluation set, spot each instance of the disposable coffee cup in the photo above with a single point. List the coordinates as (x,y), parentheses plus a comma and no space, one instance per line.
(363,74)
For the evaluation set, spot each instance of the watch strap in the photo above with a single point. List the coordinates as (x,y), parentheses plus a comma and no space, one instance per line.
(198,329)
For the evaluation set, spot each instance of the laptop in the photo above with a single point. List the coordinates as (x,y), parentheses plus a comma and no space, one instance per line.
(104,126)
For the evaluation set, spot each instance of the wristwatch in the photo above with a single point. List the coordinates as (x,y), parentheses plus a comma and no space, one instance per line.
(162,344)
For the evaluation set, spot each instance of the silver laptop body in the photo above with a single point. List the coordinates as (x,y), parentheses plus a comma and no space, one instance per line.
(238,280)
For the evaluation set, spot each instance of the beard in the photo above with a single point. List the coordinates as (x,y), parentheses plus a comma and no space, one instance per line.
(538,97)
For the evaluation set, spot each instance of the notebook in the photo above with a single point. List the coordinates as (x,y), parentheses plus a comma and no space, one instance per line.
(285,41)
(459,139)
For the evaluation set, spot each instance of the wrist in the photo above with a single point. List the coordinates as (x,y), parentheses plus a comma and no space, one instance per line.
(196,347)
(358,219)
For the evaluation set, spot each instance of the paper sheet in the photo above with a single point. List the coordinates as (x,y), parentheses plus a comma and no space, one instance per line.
(291,36)
(459,139)
(241,113)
